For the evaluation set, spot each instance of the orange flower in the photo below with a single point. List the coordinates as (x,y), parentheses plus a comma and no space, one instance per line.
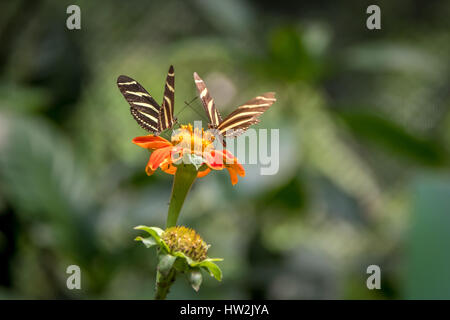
(188,141)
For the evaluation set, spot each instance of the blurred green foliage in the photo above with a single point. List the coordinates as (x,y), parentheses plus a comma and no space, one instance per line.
(364,142)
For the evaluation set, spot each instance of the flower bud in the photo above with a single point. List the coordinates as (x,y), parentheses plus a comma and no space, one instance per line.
(187,241)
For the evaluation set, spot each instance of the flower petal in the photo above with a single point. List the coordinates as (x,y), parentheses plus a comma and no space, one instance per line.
(203,173)
(233,175)
(214,160)
(176,155)
(151,142)
(235,170)
(148,169)
(228,157)
(239,169)
(157,157)
(167,167)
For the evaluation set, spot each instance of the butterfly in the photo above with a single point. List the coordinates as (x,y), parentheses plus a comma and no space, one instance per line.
(145,110)
(238,121)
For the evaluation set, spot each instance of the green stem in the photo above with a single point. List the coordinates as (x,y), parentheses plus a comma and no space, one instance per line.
(163,283)
(182,182)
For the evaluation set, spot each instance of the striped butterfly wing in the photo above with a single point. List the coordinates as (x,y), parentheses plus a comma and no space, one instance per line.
(145,110)
(246,115)
(208,103)
(166,119)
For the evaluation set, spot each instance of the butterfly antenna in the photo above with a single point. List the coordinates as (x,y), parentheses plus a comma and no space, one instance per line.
(176,116)
(189,104)
(186,104)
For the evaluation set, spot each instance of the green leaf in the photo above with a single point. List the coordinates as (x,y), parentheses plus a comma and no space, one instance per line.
(183,256)
(289,58)
(212,268)
(165,264)
(156,234)
(392,57)
(207,264)
(148,242)
(394,138)
(151,230)
(181,264)
(214,259)
(195,278)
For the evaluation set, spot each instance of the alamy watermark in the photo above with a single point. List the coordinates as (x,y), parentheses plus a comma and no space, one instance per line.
(74,280)
(374,20)
(374,280)
(74,20)
(253,146)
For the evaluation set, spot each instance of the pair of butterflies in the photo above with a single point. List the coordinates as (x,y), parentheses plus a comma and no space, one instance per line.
(155,118)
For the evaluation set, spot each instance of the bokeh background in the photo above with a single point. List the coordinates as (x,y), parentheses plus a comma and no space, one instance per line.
(364,147)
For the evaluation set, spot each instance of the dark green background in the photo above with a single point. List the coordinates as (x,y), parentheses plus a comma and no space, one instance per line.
(364,139)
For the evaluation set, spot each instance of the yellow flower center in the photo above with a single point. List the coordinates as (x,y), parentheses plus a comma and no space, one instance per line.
(196,140)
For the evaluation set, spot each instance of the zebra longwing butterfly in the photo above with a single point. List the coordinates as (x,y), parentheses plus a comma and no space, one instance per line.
(240,119)
(145,110)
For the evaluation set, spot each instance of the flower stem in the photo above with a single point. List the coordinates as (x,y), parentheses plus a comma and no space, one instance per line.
(163,283)
(182,182)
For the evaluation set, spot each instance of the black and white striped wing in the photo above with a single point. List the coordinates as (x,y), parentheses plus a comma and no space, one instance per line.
(246,115)
(145,110)
(166,119)
(208,102)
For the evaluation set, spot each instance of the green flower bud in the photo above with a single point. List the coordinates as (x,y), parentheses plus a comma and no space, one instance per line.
(187,241)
